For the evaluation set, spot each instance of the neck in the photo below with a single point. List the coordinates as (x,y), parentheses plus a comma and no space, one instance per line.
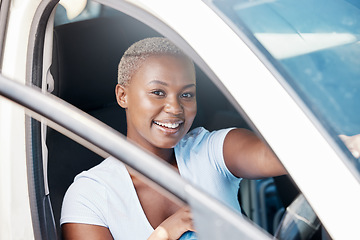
(166,154)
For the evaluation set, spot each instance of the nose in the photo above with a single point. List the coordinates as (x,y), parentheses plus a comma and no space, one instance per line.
(173,106)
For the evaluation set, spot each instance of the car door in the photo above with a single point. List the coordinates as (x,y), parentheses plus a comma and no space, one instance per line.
(254,91)
(15,206)
(34,154)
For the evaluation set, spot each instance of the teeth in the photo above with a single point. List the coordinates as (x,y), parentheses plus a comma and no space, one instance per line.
(168,125)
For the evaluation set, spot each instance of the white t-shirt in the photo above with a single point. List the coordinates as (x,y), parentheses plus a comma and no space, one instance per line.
(105,194)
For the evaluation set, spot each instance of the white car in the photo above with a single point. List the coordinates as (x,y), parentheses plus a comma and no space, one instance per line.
(288,70)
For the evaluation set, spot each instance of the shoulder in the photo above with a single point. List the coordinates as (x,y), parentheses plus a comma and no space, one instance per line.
(200,160)
(200,147)
(201,136)
(102,179)
(87,197)
(107,169)
(195,136)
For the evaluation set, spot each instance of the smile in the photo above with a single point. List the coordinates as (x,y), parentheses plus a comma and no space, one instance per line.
(173,125)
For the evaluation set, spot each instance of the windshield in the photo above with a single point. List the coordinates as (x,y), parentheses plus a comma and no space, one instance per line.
(316,45)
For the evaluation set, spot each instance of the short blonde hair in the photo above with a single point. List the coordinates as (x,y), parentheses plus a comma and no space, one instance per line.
(138,52)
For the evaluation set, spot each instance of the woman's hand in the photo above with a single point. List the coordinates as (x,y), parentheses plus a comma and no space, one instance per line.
(352,143)
(174,226)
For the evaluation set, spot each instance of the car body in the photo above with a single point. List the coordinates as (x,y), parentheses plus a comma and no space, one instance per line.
(269,59)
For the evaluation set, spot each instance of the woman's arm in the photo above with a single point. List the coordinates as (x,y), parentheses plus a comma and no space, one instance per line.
(74,231)
(247,156)
(170,229)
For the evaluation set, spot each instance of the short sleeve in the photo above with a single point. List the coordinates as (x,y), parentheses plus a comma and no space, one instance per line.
(207,148)
(215,147)
(200,160)
(85,202)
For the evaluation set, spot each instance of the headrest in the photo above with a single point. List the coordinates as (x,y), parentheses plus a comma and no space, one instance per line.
(85,59)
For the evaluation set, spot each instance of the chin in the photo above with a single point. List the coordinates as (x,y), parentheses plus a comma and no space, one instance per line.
(166,144)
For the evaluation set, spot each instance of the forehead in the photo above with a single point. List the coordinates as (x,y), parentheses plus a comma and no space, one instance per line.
(168,60)
(166,68)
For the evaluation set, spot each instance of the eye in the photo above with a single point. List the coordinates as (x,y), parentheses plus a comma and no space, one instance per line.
(158,93)
(187,95)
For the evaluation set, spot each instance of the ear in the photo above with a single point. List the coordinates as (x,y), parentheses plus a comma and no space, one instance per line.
(121,95)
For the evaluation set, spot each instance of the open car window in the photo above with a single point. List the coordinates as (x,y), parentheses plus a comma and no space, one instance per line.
(86,51)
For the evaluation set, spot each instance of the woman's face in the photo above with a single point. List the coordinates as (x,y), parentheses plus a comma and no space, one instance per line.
(161,101)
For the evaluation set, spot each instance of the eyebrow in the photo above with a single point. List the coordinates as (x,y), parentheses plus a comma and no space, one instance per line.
(165,84)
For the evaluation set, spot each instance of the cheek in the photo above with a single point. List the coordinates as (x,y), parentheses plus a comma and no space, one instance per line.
(142,103)
(191,111)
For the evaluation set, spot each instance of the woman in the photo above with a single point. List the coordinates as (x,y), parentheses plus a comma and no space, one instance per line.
(157,89)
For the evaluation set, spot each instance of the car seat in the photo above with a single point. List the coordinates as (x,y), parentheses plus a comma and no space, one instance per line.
(84,69)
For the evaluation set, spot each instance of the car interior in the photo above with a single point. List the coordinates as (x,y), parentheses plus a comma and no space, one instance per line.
(86,52)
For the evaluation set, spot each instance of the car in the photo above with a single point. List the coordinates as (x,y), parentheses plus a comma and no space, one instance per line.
(287,70)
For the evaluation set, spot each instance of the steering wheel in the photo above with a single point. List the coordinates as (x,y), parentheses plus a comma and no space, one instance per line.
(299,221)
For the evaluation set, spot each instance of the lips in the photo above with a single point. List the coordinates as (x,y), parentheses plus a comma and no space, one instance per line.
(170,125)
